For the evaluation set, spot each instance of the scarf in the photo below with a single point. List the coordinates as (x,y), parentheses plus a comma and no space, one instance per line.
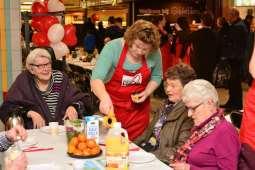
(198,133)
(167,108)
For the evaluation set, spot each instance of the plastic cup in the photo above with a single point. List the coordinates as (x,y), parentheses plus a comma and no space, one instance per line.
(53,128)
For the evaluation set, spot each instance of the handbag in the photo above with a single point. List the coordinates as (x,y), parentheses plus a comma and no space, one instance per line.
(222,73)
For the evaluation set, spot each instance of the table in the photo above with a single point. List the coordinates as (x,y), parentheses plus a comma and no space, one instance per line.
(59,157)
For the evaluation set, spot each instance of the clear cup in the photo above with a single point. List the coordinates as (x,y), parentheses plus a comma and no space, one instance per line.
(53,128)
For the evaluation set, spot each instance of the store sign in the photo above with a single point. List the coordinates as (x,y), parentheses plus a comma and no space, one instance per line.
(172,10)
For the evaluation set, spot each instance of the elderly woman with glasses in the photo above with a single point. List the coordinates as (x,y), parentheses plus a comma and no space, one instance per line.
(170,126)
(127,71)
(214,142)
(45,93)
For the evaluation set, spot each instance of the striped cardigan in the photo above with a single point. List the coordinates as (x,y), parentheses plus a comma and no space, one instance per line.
(4,142)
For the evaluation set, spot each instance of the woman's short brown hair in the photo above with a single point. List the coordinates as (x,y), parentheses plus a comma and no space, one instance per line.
(144,31)
(182,72)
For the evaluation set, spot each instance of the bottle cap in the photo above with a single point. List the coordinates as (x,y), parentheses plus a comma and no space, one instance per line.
(117,125)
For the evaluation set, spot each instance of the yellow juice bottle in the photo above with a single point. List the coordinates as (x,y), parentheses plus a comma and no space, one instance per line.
(117,148)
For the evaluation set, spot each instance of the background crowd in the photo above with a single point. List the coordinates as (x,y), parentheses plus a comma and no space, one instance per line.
(188,130)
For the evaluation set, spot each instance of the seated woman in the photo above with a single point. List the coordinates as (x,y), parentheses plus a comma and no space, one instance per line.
(45,93)
(214,142)
(170,126)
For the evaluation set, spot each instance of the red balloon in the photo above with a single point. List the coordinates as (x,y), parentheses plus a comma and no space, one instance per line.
(48,21)
(42,24)
(37,24)
(70,38)
(40,39)
(38,7)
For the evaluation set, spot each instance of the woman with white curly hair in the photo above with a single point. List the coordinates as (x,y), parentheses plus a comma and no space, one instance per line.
(214,142)
(45,93)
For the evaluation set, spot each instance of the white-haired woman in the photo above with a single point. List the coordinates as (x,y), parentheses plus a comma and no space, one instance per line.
(45,93)
(214,142)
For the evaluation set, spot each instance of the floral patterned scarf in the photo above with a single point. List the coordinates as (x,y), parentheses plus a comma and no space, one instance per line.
(198,133)
(167,107)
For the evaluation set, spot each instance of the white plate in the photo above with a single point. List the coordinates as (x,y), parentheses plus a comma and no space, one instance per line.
(30,141)
(46,129)
(141,157)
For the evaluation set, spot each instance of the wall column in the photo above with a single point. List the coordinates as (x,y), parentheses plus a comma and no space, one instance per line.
(10,49)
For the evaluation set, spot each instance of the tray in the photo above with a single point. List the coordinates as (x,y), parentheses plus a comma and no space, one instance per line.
(85,157)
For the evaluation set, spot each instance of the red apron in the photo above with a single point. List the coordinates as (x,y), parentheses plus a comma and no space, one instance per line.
(134,117)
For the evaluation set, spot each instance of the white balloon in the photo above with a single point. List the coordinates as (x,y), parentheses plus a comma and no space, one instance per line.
(56,33)
(55,5)
(60,49)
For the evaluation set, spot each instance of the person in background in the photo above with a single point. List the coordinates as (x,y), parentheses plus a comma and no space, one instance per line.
(160,22)
(127,72)
(223,29)
(249,49)
(170,126)
(238,36)
(204,48)
(181,46)
(46,94)
(101,34)
(247,130)
(214,142)
(118,22)
(112,31)
(7,138)
(91,37)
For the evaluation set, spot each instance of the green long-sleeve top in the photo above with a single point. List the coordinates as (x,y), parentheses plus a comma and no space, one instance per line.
(109,57)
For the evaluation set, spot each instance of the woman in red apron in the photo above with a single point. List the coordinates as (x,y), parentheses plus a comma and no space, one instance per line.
(139,41)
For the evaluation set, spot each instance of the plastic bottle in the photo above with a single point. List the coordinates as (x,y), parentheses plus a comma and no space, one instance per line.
(117,148)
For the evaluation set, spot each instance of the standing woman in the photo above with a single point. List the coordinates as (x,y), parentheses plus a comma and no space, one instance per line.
(181,45)
(126,66)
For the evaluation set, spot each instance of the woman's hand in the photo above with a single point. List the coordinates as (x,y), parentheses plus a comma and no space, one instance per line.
(106,106)
(141,97)
(37,119)
(180,166)
(16,131)
(71,113)
(20,163)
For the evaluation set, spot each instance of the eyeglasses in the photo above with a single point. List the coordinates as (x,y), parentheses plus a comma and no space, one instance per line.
(193,109)
(42,66)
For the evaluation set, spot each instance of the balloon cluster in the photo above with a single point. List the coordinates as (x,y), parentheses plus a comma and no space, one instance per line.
(48,29)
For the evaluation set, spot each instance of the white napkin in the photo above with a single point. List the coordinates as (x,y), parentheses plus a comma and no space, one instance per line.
(48,166)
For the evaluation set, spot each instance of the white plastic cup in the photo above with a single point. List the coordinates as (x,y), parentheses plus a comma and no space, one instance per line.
(53,128)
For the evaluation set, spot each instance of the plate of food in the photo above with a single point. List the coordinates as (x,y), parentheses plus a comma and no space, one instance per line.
(81,147)
(82,156)
(141,157)
(47,129)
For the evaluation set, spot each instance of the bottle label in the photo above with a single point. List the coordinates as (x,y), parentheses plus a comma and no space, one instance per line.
(119,162)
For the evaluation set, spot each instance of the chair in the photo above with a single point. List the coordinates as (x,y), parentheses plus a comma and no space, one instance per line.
(236,117)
